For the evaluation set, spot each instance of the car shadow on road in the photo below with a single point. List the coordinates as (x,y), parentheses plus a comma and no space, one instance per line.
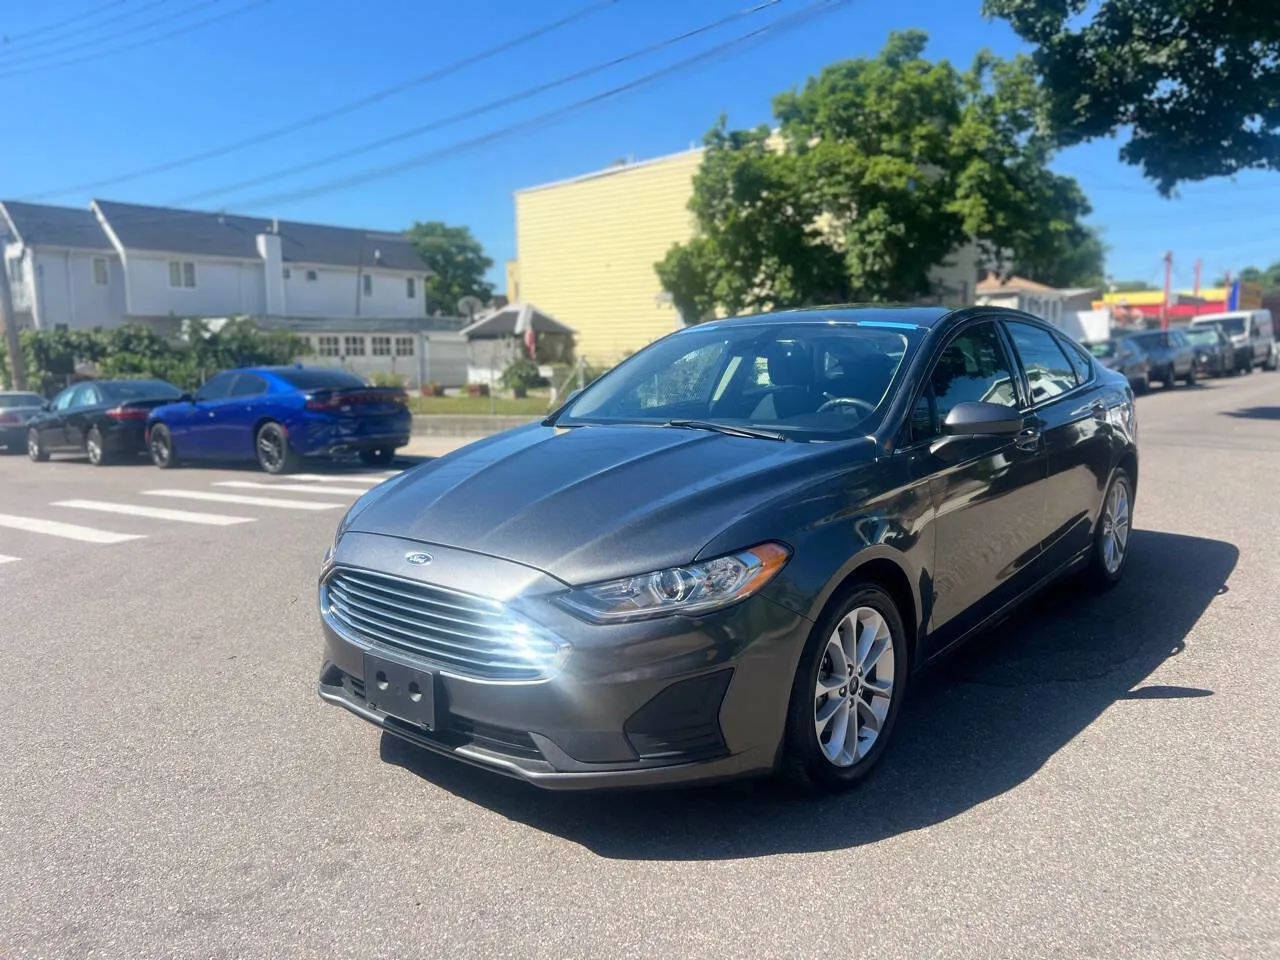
(979,725)
(1254,413)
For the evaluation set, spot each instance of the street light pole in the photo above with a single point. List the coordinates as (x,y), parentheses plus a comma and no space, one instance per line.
(17,366)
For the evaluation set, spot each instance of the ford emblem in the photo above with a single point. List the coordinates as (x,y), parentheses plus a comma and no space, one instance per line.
(418,559)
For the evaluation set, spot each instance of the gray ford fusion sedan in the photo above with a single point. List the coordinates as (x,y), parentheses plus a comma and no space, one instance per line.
(729,554)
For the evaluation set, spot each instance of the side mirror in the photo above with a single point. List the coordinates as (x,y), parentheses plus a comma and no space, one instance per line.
(982,419)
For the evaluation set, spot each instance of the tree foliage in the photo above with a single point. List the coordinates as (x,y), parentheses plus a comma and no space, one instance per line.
(1194,85)
(457,264)
(879,170)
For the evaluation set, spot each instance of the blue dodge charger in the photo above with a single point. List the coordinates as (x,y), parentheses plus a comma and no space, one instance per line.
(279,416)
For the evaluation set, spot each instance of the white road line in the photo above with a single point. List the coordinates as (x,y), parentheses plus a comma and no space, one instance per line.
(158,513)
(68,531)
(370,479)
(4,559)
(247,501)
(292,488)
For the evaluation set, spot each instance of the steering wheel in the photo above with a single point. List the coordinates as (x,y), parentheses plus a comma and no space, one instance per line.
(846,402)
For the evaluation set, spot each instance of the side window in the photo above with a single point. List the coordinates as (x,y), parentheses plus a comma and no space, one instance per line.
(1078,359)
(216,388)
(63,400)
(247,385)
(973,367)
(1048,371)
(90,396)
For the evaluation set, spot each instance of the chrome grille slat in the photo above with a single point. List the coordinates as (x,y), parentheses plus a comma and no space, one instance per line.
(473,635)
(376,604)
(427,594)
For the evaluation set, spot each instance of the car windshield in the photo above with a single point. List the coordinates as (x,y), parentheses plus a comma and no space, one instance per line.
(1103,350)
(320,379)
(120,391)
(1232,325)
(793,379)
(1152,341)
(11,400)
(1203,336)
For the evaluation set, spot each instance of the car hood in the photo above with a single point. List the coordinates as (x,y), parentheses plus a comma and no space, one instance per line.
(591,503)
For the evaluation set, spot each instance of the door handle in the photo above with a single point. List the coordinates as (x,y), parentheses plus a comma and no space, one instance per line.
(1028,438)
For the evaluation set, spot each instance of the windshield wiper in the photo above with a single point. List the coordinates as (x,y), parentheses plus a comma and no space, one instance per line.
(727,429)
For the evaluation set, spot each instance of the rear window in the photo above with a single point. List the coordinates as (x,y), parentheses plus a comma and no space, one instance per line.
(11,400)
(320,379)
(124,390)
(1103,350)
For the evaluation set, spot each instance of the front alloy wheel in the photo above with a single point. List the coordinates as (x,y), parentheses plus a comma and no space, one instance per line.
(1111,541)
(35,448)
(848,690)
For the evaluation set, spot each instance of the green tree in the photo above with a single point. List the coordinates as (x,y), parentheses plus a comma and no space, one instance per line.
(457,264)
(1192,85)
(879,170)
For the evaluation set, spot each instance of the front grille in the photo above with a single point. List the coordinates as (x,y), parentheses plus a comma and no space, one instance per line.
(471,635)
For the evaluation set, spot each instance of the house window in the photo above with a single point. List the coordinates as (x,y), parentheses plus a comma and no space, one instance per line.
(182,273)
(380,346)
(311,275)
(367,281)
(410,288)
(100,271)
(404,346)
(287,273)
(353,346)
(328,347)
(16,269)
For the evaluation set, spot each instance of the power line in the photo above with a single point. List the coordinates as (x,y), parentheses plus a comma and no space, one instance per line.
(810,12)
(58,25)
(341,110)
(199,24)
(37,59)
(477,111)
(85,28)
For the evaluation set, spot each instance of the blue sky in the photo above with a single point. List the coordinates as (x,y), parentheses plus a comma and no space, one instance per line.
(282,60)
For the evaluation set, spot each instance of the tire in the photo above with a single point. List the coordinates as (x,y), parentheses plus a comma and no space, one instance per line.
(807,753)
(1271,364)
(1106,566)
(1167,379)
(35,447)
(1144,385)
(95,448)
(160,446)
(378,458)
(271,444)
(1191,376)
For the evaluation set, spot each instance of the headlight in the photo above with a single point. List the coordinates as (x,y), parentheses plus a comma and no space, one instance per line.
(697,588)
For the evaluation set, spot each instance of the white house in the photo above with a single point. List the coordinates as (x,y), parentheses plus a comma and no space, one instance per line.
(126,263)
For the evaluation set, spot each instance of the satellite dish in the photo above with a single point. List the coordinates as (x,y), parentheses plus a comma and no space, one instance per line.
(469,306)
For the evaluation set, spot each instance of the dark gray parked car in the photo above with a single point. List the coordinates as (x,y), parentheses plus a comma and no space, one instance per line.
(729,554)
(1170,355)
(1215,353)
(1124,356)
(16,408)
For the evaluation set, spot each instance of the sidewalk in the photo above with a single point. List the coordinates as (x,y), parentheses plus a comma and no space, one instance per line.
(428,446)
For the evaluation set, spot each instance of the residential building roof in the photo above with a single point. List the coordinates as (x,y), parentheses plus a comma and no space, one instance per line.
(200,233)
(992,284)
(39,224)
(512,321)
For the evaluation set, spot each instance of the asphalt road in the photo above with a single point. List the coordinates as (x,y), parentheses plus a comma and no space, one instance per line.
(1098,778)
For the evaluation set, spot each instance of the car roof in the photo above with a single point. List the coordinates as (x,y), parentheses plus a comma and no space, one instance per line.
(851,313)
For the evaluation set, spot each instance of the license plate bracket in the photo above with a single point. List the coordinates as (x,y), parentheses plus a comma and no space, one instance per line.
(401,690)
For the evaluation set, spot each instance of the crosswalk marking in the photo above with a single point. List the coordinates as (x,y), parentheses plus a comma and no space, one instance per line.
(247,501)
(292,488)
(158,513)
(69,531)
(4,559)
(371,479)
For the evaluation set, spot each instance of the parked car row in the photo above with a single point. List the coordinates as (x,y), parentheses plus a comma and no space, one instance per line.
(1213,345)
(277,416)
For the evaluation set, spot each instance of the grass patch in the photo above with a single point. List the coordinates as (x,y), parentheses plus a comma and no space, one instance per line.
(501,406)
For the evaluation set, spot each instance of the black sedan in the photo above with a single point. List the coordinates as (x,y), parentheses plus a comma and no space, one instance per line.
(102,419)
(16,408)
(728,555)
(1169,354)
(1126,357)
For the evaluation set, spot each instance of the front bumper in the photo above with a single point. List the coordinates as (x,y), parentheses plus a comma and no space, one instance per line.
(645,704)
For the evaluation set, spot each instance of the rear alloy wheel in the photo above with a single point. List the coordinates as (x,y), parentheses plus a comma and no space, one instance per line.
(1111,538)
(35,448)
(96,448)
(847,691)
(274,453)
(378,458)
(160,446)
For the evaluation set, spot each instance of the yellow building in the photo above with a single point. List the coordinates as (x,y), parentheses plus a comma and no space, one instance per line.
(586,249)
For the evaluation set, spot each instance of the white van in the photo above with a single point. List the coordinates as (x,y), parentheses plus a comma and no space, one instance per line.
(1252,334)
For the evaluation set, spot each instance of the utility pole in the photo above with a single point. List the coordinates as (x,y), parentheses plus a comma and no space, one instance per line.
(1196,288)
(17,364)
(1168,287)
